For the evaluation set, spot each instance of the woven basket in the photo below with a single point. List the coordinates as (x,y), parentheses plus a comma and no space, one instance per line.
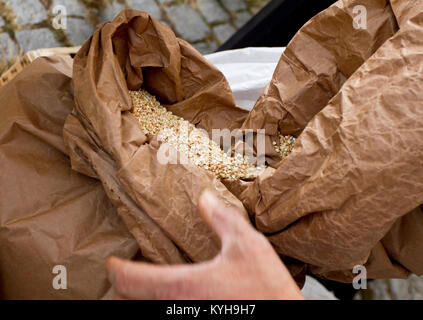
(30,56)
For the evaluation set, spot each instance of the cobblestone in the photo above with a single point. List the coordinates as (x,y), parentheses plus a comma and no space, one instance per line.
(149,6)
(212,11)
(165,1)
(31,39)
(7,47)
(206,47)
(78,30)
(187,22)
(242,18)
(234,5)
(110,12)
(223,32)
(73,8)
(393,289)
(28,12)
(204,23)
(255,10)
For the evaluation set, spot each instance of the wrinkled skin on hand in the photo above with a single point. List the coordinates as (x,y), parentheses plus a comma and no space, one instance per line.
(247,267)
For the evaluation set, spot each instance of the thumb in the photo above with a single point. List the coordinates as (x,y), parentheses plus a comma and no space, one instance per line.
(226,222)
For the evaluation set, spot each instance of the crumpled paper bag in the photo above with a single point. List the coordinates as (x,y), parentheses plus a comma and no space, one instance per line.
(50,215)
(354,99)
(157,202)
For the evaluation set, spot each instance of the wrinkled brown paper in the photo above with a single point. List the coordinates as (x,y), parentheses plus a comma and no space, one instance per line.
(341,198)
(158,203)
(50,215)
(347,195)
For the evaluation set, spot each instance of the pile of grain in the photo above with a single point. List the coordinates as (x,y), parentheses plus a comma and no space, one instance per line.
(155,120)
(286,144)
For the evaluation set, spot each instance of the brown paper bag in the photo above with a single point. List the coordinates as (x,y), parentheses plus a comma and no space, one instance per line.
(354,99)
(157,202)
(50,215)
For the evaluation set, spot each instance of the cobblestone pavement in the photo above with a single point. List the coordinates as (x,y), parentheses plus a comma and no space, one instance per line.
(394,289)
(30,24)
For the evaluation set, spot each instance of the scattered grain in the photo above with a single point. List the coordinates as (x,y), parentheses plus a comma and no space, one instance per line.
(194,143)
(285,146)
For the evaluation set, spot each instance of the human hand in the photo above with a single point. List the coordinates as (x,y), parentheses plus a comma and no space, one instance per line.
(246,268)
